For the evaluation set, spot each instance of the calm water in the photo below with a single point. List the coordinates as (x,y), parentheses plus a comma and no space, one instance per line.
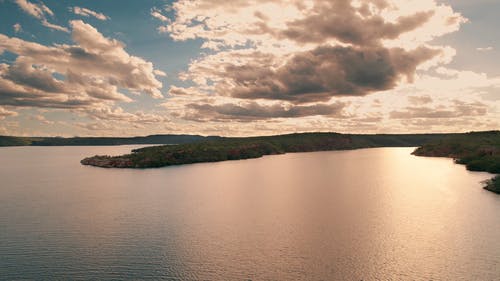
(371,214)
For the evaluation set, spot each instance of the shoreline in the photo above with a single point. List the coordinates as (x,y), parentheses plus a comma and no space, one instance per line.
(479,151)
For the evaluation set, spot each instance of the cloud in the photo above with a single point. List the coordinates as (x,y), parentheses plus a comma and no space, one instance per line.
(40,118)
(158,72)
(119,115)
(485,49)
(92,72)
(310,53)
(40,11)
(89,13)
(156,13)
(457,109)
(342,21)
(6,113)
(17,27)
(325,72)
(319,21)
(54,26)
(419,100)
(251,111)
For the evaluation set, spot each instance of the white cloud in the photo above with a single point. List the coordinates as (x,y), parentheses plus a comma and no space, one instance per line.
(88,13)
(158,72)
(270,55)
(54,26)
(40,11)
(94,69)
(156,13)
(37,10)
(309,51)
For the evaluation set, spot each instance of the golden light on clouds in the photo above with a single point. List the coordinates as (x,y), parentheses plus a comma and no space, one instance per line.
(262,66)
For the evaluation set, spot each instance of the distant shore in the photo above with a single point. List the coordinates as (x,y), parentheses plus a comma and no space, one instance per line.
(101,141)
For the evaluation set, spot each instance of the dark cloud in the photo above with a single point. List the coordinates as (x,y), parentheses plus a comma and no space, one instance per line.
(25,74)
(338,19)
(324,72)
(253,111)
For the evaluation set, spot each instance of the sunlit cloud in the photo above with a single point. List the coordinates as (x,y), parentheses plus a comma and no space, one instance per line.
(93,71)
(89,13)
(246,67)
(40,11)
(303,54)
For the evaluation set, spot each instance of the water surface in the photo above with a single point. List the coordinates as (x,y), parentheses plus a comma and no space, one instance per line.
(371,214)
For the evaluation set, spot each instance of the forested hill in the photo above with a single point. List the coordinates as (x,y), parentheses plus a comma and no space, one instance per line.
(253,147)
(76,141)
(362,140)
(480,151)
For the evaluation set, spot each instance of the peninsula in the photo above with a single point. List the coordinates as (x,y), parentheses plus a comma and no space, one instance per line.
(479,151)
(224,149)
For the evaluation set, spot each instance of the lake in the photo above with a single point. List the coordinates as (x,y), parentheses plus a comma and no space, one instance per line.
(368,214)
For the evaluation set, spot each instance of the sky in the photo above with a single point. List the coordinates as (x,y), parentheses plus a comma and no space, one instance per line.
(248,67)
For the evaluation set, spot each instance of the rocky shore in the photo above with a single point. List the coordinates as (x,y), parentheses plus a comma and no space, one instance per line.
(107,162)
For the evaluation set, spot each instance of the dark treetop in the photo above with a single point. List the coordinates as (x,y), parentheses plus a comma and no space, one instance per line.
(222,149)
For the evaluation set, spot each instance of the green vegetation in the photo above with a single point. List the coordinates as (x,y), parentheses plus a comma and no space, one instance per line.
(479,151)
(252,147)
(493,185)
(58,141)
(17,141)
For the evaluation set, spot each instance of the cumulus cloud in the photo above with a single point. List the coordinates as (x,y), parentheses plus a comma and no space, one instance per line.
(326,71)
(308,54)
(93,72)
(40,11)
(349,24)
(89,13)
(318,21)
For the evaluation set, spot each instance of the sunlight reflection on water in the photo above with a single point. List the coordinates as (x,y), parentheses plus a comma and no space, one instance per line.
(341,215)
